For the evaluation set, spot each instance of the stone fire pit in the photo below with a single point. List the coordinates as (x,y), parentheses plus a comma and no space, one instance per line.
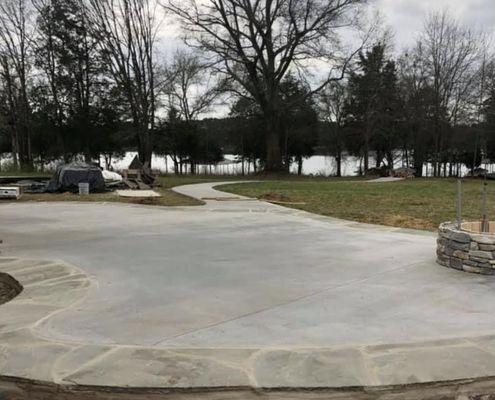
(467,249)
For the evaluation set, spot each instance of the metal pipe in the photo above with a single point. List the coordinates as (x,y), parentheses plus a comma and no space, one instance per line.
(484,221)
(459,203)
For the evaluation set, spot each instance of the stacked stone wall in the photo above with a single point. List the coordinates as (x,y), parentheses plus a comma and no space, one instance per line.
(466,251)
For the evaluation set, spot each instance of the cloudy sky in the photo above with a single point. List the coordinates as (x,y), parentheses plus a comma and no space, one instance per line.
(406,17)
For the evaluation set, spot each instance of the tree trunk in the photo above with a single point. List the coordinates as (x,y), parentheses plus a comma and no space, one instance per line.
(338,160)
(390,159)
(299,165)
(15,147)
(366,161)
(379,158)
(145,148)
(273,154)
(418,166)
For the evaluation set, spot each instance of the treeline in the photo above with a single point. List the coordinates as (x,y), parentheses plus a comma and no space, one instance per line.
(86,79)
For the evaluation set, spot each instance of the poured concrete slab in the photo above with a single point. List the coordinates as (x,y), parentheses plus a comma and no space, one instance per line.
(233,294)
(385,179)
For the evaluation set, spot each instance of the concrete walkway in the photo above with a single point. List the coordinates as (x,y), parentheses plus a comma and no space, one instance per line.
(386,179)
(236,293)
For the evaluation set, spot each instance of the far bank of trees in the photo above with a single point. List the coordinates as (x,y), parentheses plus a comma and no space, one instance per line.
(86,79)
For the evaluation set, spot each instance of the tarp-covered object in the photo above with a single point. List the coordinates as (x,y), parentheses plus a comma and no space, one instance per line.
(68,176)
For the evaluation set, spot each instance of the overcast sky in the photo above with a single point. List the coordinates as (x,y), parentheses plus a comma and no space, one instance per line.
(406,17)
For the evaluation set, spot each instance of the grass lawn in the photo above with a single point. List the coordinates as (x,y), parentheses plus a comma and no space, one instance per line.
(415,203)
(168,198)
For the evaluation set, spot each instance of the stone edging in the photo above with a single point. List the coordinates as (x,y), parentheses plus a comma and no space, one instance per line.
(465,251)
(53,287)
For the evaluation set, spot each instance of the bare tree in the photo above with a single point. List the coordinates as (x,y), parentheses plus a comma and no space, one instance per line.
(15,67)
(189,85)
(481,95)
(451,55)
(127,33)
(256,43)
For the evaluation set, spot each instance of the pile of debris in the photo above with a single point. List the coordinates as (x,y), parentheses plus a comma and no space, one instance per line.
(67,178)
(138,176)
(70,177)
(403,172)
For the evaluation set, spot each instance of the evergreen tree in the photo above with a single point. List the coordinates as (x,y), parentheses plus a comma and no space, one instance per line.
(372,108)
(75,75)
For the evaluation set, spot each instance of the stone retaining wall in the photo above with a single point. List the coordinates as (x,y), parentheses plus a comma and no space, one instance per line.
(466,251)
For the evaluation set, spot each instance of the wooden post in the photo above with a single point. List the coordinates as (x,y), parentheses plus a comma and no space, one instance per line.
(484,221)
(459,203)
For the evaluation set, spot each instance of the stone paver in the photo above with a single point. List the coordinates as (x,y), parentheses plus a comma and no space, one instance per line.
(237,293)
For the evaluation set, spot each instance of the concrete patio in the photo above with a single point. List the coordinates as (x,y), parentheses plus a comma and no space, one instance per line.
(234,294)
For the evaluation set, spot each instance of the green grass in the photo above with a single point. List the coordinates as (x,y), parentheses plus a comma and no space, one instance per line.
(417,203)
(168,198)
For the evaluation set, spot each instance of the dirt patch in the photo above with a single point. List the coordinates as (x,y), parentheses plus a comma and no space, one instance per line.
(148,201)
(408,222)
(273,196)
(9,288)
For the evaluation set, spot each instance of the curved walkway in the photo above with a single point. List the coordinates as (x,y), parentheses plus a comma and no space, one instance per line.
(234,294)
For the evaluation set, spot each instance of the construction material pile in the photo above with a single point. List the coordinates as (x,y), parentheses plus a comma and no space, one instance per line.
(72,176)
(137,176)
(68,177)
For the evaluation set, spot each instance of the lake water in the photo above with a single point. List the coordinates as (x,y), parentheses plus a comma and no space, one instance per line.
(315,165)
